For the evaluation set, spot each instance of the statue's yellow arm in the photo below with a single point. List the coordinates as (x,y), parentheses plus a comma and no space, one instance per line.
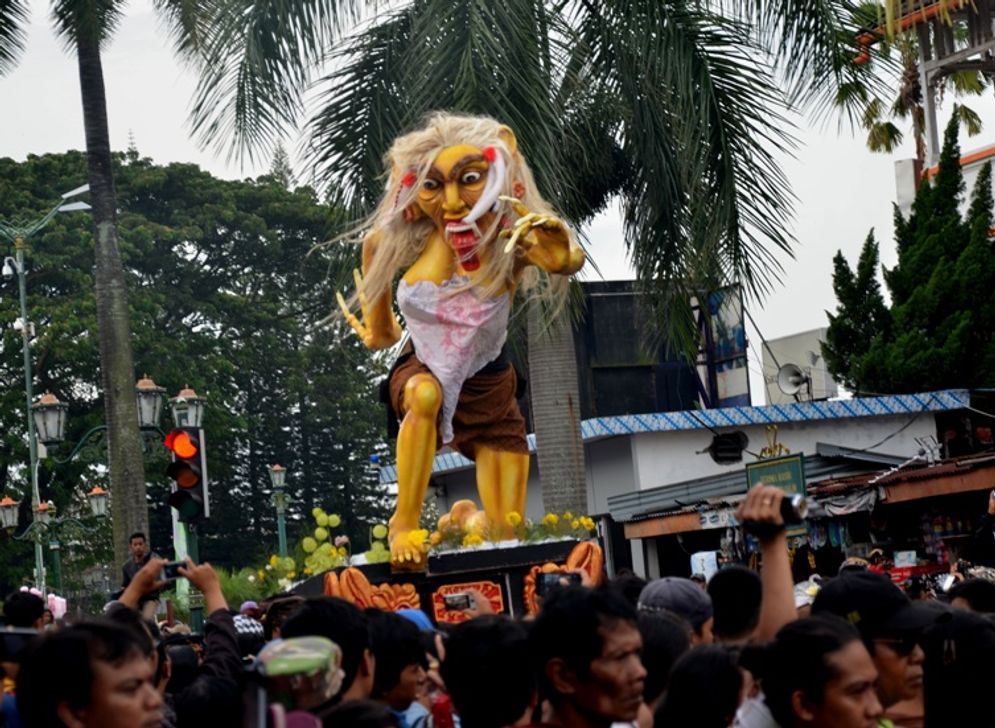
(378,314)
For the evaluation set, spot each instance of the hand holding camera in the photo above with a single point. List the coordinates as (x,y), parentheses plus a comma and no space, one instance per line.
(767,510)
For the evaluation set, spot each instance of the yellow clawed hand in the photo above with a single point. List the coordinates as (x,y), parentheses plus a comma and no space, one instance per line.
(371,338)
(526,223)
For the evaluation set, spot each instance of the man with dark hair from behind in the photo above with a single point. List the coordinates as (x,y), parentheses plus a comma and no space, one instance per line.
(735,593)
(400,661)
(345,625)
(705,688)
(960,671)
(22,610)
(665,638)
(91,675)
(585,645)
(487,673)
(628,584)
(977,595)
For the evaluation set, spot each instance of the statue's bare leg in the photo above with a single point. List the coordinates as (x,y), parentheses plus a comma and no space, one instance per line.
(502,478)
(415,453)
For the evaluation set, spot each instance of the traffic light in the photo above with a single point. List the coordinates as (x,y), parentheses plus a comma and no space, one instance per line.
(189,473)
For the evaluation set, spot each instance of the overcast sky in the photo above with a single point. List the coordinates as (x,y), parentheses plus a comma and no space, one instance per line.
(843,190)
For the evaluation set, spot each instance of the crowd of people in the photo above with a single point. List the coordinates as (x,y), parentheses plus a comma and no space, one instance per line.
(741,651)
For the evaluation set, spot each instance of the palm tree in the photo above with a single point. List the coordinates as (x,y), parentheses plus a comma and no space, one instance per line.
(669,106)
(902,41)
(86,26)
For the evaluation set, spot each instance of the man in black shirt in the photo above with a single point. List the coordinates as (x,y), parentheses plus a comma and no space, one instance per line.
(140,556)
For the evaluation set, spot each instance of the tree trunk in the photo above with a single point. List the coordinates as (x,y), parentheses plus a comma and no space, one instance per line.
(129,506)
(556,414)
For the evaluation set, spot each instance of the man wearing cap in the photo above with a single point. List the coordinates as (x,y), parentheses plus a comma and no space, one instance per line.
(890,626)
(685,599)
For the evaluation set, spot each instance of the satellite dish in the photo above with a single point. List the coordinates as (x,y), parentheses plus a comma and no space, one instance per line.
(791,379)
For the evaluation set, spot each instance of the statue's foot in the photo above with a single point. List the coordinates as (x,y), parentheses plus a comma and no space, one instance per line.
(405,554)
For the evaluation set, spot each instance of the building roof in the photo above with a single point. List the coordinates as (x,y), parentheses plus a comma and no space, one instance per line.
(599,428)
(910,472)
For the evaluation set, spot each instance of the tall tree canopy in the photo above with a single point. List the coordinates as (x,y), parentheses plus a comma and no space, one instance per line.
(939,331)
(224,296)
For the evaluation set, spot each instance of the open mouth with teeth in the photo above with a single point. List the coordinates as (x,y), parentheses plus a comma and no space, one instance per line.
(464,239)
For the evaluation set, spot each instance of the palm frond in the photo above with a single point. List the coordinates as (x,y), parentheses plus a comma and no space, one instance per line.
(86,21)
(969,120)
(256,63)
(814,45)
(186,22)
(14,18)
(363,107)
(706,203)
(883,136)
(967,82)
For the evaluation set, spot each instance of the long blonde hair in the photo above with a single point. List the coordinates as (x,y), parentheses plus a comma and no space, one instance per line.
(401,241)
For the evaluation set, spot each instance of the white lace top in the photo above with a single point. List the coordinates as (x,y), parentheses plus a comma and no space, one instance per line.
(454,332)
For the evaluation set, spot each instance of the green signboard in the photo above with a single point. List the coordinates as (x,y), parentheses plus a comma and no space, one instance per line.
(787,473)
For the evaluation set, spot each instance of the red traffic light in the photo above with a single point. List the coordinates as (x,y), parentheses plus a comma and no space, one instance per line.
(182,444)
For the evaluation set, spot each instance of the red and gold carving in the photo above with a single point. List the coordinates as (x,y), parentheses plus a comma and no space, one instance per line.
(586,556)
(489,589)
(353,586)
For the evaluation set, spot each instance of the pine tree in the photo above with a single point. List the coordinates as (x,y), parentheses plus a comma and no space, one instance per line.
(281,170)
(860,316)
(940,330)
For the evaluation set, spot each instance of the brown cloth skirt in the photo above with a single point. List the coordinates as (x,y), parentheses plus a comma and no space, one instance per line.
(486,414)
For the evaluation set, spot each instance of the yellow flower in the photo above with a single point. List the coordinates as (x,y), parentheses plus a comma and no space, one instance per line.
(307,571)
(551,519)
(417,537)
(320,534)
(334,521)
(513,519)
(472,539)
(568,516)
(587,523)
(575,524)
(342,551)
(274,560)
(309,545)
(261,574)
(379,531)
(291,574)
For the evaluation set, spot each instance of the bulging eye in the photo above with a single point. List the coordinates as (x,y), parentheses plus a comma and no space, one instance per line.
(470,177)
(430,184)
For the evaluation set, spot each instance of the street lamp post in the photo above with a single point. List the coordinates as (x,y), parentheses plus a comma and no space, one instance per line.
(17,235)
(277,477)
(45,526)
(48,425)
